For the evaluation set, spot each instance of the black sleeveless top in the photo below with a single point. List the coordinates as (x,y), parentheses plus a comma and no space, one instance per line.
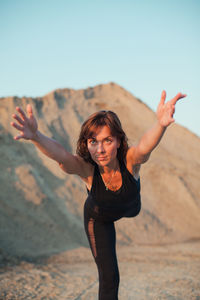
(125,202)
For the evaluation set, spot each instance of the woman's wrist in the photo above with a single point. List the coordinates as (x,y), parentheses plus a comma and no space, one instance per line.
(161,125)
(36,136)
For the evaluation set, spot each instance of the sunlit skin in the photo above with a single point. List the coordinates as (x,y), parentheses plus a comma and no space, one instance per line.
(102,147)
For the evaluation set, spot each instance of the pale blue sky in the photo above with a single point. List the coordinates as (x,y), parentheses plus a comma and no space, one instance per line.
(145,46)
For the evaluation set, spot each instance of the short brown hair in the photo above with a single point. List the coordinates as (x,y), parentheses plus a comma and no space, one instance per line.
(89,127)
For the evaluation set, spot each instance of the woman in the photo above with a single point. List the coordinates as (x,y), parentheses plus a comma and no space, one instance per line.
(110,170)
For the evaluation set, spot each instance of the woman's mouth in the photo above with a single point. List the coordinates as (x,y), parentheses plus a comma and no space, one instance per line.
(100,158)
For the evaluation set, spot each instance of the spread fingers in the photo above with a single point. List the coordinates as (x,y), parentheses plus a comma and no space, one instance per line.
(16,117)
(178,97)
(18,127)
(21,112)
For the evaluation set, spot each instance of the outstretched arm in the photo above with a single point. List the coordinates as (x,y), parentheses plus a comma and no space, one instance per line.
(152,137)
(28,127)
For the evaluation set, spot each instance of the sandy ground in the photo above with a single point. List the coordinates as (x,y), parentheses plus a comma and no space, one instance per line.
(147,272)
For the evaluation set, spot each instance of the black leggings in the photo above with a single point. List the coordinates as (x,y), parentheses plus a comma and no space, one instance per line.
(102,240)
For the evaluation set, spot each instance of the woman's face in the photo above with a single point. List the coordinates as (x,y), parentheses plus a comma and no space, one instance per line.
(103,146)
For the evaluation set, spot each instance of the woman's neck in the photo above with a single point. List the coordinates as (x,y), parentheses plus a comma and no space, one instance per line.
(113,166)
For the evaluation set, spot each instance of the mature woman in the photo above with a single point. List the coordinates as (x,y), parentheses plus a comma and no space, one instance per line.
(110,170)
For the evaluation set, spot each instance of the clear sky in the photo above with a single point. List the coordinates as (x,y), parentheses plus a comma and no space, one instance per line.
(145,46)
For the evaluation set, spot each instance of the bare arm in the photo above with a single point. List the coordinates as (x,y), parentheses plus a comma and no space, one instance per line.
(152,137)
(28,127)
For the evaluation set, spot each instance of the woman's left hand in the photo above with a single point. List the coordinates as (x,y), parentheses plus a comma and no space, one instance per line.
(165,111)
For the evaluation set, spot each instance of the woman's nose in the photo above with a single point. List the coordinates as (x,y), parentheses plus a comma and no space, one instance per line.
(100,148)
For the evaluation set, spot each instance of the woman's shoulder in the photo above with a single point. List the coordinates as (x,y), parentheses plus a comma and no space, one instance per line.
(130,155)
(87,172)
(88,180)
(130,163)
(87,167)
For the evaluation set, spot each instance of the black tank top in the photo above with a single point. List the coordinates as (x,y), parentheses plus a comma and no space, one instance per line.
(124,202)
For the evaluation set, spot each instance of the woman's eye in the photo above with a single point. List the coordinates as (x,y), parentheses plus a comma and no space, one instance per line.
(92,142)
(108,141)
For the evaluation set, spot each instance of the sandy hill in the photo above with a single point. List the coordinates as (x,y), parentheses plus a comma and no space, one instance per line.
(41,206)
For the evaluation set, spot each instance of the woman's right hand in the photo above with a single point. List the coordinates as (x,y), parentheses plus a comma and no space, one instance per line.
(27,124)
